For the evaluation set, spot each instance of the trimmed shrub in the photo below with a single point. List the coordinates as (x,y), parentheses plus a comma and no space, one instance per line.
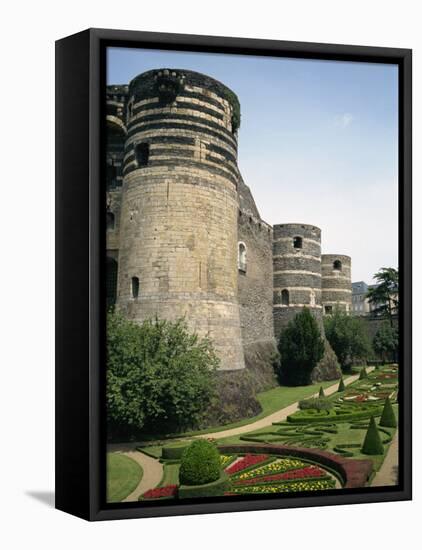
(363,374)
(318,403)
(213,489)
(341,386)
(388,418)
(174,452)
(372,444)
(200,463)
(321,392)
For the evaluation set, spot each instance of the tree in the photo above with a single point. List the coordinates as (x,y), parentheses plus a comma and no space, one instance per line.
(159,376)
(386,341)
(372,444)
(348,338)
(301,348)
(384,296)
(388,418)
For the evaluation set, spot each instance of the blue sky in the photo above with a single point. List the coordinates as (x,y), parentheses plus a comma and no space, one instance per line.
(318,143)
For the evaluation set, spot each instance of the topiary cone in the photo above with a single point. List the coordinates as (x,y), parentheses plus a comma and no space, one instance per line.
(341,386)
(321,392)
(388,418)
(372,444)
(363,374)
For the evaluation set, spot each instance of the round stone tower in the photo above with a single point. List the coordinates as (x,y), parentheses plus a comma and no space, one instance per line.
(336,282)
(297,272)
(178,254)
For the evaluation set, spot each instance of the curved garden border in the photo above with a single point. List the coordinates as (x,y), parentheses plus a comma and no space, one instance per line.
(354,473)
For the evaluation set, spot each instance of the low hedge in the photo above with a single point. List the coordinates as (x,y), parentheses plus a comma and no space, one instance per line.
(345,417)
(174,452)
(318,403)
(213,489)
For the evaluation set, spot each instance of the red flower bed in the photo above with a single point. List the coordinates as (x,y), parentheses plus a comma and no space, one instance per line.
(161,492)
(302,473)
(246,462)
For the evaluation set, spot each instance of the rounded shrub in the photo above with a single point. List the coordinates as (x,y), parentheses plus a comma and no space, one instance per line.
(200,463)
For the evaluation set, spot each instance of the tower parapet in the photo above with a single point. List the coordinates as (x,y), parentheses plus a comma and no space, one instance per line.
(336,282)
(296,271)
(178,223)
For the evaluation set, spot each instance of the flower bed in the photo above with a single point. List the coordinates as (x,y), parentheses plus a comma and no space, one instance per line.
(169,491)
(302,473)
(226,460)
(275,467)
(246,462)
(308,485)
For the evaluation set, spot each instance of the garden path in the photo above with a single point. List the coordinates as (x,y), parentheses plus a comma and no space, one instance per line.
(278,416)
(388,473)
(153,472)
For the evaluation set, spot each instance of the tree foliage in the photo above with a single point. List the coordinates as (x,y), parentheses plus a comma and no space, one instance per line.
(301,348)
(348,338)
(160,377)
(384,296)
(386,341)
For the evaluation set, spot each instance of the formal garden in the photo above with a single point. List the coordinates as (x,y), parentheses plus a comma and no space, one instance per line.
(336,441)
(163,381)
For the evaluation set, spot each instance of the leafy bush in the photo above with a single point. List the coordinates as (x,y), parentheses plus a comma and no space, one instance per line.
(200,463)
(301,348)
(348,337)
(159,376)
(388,418)
(372,444)
(318,403)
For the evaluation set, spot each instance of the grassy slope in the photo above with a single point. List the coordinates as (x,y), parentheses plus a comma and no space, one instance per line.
(123,476)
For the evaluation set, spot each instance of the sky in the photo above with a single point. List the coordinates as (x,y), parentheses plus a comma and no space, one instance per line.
(318,143)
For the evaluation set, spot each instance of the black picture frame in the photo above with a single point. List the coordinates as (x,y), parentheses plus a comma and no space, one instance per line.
(80,435)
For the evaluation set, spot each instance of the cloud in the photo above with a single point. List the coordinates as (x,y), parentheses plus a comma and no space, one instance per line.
(344,120)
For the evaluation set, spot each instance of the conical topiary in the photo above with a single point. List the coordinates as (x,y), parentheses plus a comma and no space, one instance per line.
(363,374)
(388,418)
(372,444)
(341,386)
(321,392)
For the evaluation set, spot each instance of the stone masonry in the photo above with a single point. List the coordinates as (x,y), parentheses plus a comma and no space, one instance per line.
(184,236)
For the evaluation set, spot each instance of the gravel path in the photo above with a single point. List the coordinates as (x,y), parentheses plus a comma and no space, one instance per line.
(388,473)
(153,472)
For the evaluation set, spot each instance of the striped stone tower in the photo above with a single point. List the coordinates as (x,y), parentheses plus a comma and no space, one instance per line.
(297,272)
(178,229)
(336,282)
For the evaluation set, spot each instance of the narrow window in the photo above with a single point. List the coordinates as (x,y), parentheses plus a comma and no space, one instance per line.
(337,265)
(111,281)
(328,310)
(111,173)
(135,287)
(241,258)
(312,298)
(285,297)
(297,242)
(110,220)
(142,154)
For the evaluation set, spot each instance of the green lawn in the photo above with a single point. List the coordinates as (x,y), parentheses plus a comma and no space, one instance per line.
(123,476)
(271,401)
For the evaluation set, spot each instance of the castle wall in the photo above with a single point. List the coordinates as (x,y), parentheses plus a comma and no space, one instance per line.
(178,229)
(336,282)
(255,283)
(296,273)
